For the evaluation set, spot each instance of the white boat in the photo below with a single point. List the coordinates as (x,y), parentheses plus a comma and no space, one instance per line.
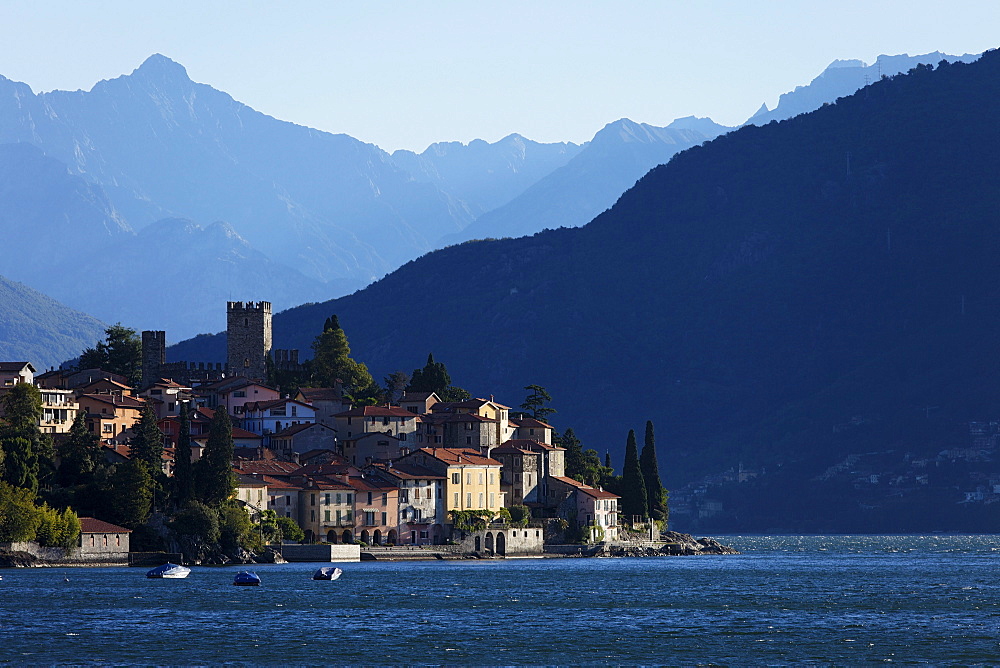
(328,573)
(172,571)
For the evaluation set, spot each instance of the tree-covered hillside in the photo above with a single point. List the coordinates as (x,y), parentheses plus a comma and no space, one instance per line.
(748,296)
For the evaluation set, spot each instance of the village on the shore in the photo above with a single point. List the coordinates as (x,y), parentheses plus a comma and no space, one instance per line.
(416,475)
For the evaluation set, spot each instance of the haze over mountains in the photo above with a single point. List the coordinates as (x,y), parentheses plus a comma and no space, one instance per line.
(194,198)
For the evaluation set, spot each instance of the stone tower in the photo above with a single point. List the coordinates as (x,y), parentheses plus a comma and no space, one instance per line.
(248,332)
(154,355)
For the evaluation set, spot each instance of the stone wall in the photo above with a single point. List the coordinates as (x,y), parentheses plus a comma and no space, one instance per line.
(502,541)
(248,338)
(321,553)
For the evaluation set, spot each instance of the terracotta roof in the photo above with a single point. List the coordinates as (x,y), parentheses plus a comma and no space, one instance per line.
(264,405)
(370,434)
(268,467)
(417,396)
(244,480)
(117,400)
(586,489)
(409,471)
(371,484)
(296,428)
(377,411)
(529,444)
(274,483)
(457,456)
(239,432)
(530,422)
(91,525)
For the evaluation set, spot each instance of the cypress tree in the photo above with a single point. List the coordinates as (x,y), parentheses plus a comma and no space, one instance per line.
(146,444)
(80,455)
(633,491)
(20,438)
(216,481)
(183,472)
(131,494)
(655,504)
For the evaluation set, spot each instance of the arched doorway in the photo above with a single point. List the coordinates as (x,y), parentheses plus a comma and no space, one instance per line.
(391,538)
(331,536)
(501,543)
(478,544)
(377,537)
(347,537)
(365,536)
(309,535)
(489,542)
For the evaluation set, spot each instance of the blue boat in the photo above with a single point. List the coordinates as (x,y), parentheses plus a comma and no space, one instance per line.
(247,579)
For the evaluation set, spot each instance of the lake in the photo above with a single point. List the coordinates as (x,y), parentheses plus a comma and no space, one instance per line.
(814,599)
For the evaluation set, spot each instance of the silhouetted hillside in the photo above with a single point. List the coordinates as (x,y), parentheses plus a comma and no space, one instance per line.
(747,297)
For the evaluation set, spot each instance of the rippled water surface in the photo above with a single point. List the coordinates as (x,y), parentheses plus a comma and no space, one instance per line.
(837,599)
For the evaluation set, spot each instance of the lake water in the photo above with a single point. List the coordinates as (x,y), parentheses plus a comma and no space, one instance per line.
(839,599)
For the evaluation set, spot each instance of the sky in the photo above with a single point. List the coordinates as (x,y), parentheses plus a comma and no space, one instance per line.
(403,75)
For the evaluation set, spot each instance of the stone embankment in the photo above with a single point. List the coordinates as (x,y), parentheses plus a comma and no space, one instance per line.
(17,559)
(671,543)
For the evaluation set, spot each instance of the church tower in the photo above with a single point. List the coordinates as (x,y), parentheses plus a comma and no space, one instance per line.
(248,332)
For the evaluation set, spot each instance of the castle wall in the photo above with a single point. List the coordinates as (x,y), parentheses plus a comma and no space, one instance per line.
(248,330)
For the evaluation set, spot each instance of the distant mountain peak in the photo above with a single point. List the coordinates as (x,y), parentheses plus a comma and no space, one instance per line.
(158,66)
(760,112)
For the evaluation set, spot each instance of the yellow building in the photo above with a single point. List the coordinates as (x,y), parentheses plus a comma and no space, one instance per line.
(472,481)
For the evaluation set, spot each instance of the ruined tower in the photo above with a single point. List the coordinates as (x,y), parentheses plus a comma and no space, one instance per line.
(154,355)
(248,332)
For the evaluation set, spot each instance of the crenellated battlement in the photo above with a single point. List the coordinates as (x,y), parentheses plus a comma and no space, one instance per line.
(248,307)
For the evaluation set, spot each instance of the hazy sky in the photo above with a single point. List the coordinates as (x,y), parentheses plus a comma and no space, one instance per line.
(404,75)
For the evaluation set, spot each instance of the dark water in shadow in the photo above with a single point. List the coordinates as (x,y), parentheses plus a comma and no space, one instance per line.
(840,600)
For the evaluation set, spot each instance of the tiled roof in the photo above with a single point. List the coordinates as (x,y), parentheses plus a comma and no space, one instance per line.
(238,432)
(296,428)
(531,423)
(320,394)
(409,471)
(91,525)
(117,400)
(458,457)
(15,367)
(416,396)
(377,411)
(244,480)
(264,405)
(586,489)
(268,467)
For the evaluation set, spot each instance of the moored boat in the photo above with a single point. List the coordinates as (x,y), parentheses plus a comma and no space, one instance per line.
(169,571)
(328,573)
(247,579)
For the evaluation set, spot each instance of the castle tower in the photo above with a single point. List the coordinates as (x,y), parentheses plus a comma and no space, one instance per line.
(248,331)
(154,355)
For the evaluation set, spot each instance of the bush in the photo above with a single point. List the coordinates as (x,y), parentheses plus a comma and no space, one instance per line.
(57,529)
(519,515)
(289,529)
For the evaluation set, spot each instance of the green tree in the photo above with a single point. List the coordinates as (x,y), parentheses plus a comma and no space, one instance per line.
(183,469)
(197,529)
(633,490)
(120,352)
(434,377)
(57,528)
(332,362)
(536,403)
(656,504)
(80,453)
(146,444)
(216,482)
(19,518)
(395,384)
(25,448)
(582,465)
(131,494)
(236,530)
(290,530)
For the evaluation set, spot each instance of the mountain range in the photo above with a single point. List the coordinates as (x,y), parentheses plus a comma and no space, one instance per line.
(273,210)
(748,296)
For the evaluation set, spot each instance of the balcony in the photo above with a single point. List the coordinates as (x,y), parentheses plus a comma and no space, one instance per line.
(346,522)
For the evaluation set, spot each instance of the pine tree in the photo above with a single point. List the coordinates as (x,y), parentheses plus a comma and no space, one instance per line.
(655,503)
(633,491)
(23,443)
(332,362)
(80,454)
(183,471)
(131,494)
(216,481)
(434,378)
(146,444)
(120,352)
(536,402)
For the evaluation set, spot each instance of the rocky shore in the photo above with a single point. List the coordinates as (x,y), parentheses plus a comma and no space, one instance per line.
(673,544)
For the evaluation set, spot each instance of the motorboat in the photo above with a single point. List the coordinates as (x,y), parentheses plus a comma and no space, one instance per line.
(328,573)
(170,571)
(247,579)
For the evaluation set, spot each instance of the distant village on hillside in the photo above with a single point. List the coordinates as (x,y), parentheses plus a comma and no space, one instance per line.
(391,474)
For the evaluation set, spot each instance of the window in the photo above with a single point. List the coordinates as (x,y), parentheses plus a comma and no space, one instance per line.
(423,534)
(350,498)
(326,515)
(312,515)
(369,498)
(404,495)
(246,363)
(492,478)
(312,499)
(385,420)
(385,500)
(456,500)
(326,499)
(439,493)
(338,498)
(295,411)
(402,436)
(492,500)
(369,518)
(480,500)
(468,499)
(383,519)
(468,478)
(468,440)
(456,478)
(480,478)
(240,394)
